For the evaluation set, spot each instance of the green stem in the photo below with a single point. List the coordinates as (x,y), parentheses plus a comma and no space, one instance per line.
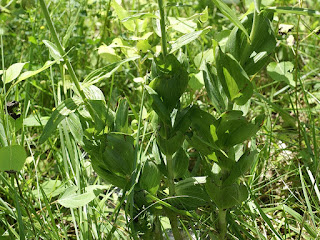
(28,213)
(157,229)
(257,4)
(170,175)
(253,34)
(174,225)
(66,60)
(163,28)
(222,223)
(105,25)
(171,215)
(255,25)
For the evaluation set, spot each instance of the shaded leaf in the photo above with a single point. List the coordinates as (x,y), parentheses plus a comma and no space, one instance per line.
(170,80)
(12,158)
(150,177)
(121,120)
(63,110)
(214,90)
(234,80)
(252,56)
(190,193)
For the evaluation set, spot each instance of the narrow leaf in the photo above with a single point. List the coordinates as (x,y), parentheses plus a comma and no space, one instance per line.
(63,110)
(187,38)
(29,74)
(294,10)
(139,16)
(230,15)
(70,29)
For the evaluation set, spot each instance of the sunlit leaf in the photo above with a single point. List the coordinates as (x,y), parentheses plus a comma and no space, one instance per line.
(281,72)
(230,15)
(12,72)
(72,199)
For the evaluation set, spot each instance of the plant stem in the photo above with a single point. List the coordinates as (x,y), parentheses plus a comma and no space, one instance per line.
(255,25)
(67,62)
(222,223)
(174,225)
(296,80)
(171,215)
(170,175)
(163,28)
(157,229)
(60,48)
(105,25)
(21,195)
(257,4)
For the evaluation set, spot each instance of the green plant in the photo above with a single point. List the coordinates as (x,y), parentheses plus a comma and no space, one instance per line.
(181,159)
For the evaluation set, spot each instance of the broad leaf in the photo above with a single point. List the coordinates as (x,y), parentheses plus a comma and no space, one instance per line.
(53,50)
(72,199)
(170,80)
(75,127)
(226,196)
(108,53)
(214,90)
(233,129)
(242,166)
(51,188)
(12,72)
(281,72)
(158,106)
(123,14)
(121,121)
(180,163)
(150,177)
(190,193)
(234,80)
(118,154)
(252,57)
(12,158)
(35,121)
(29,74)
